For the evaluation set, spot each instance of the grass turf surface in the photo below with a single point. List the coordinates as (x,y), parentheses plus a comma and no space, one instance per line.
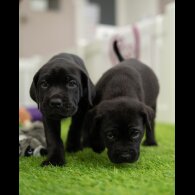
(89,173)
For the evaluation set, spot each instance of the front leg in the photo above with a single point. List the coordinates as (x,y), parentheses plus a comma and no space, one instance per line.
(150,136)
(91,132)
(97,144)
(56,153)
(73,143)
(96,139)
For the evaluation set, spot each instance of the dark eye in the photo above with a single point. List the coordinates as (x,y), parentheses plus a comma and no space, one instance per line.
(110,135)
(44,84)
(134,134)
(72,84)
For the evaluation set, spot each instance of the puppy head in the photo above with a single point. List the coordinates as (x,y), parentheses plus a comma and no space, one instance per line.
(60,84)
(120,124)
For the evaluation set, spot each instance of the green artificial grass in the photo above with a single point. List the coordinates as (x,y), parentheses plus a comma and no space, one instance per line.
(89,173)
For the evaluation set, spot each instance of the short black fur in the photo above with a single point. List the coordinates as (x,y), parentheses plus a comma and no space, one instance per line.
(62,88)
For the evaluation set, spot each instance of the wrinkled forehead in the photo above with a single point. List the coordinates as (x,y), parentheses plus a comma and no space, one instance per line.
(60,71)
(123,119)
(123,116)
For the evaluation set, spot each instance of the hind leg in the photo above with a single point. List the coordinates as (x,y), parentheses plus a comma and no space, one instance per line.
(150,134)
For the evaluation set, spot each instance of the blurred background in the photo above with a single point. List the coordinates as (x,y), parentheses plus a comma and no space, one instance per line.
(145,30)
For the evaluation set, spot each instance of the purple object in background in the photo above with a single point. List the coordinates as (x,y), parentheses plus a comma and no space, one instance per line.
(35,114)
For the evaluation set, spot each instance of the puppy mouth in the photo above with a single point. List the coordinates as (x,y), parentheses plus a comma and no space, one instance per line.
(65,114)
(60,113)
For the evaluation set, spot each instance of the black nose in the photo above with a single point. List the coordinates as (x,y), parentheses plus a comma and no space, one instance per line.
(55,103)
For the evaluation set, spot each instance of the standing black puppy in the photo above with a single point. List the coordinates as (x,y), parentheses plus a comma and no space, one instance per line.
(125,104)
(62,88)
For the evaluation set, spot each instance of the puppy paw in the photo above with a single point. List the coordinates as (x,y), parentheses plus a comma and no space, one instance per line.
(150,143)
(53,162)
(73,148)
(98,149)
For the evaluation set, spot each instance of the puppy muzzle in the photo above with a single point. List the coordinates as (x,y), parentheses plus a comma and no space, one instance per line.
(56,108)
(123,156)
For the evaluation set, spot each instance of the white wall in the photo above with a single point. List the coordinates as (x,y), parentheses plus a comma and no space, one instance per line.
(27,69)
(130,11)
(46,32)
(167,69)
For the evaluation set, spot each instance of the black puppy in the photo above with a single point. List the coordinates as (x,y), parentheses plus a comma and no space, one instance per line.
(125,104)
(62,88)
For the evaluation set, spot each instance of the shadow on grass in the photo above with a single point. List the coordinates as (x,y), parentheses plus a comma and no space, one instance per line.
(91,159)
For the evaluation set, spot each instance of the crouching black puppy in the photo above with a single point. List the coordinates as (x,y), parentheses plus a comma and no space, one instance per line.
(125,104)
(62,88)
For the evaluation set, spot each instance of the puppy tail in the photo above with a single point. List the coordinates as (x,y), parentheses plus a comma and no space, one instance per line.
(116,50)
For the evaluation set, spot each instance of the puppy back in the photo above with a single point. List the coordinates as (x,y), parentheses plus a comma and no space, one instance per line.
(129,78)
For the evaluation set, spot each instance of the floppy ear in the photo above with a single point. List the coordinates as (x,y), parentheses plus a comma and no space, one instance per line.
(88,88)
(148,114)
(33,88)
